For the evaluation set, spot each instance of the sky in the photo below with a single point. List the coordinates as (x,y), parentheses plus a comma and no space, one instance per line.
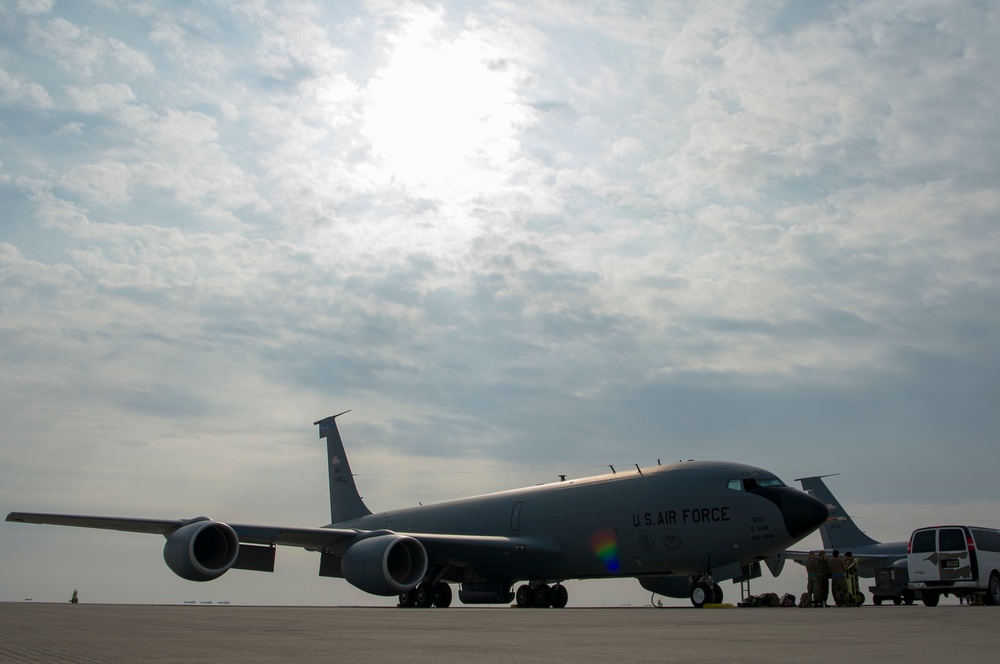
(516,240)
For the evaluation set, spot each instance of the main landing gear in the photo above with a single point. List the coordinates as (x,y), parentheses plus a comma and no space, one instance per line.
(705,591)
(542,596)
(427,595)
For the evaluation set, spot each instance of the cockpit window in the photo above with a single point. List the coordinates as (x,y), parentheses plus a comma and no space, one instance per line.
(752,483)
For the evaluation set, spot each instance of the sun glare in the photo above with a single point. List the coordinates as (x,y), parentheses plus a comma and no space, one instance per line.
(444,112)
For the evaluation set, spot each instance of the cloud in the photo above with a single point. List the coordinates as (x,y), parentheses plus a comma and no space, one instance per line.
(533,239)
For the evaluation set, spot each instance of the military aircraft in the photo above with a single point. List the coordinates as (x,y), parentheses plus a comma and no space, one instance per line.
(678,528)
(841,533)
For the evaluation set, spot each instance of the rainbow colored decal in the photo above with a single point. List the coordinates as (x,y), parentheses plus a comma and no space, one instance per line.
(605,544)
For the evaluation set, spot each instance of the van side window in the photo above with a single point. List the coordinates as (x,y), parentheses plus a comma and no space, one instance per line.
(952,539)
(923,541)
(987,540)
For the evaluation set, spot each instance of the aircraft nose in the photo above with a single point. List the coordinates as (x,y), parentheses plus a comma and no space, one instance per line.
(802,513)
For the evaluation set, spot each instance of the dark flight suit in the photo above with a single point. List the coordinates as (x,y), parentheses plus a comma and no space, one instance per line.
(823,580)
(812,574)
(837,571)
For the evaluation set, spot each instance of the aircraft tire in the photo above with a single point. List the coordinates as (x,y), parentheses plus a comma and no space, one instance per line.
(442,595)
(408,599)
(929,598)
(701,594)
(543,596)
(717,595)
(524,597)
(560,596)
(424,595)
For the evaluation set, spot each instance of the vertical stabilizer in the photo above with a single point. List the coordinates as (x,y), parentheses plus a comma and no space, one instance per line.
(839,531)
(345,501)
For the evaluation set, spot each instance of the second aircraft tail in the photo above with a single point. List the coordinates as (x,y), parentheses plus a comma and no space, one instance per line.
(839,531)
(345,501)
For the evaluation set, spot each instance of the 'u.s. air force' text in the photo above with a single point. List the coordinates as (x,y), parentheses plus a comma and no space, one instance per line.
(667,517)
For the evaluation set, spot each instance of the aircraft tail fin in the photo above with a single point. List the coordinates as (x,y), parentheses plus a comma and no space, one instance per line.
(345,501)
(839,531)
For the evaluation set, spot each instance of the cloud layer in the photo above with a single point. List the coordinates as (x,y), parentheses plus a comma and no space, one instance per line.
(516,241)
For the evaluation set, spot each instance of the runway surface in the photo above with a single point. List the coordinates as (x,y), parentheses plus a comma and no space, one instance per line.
(32,632)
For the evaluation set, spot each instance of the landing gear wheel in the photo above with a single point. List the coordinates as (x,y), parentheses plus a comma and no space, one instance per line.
(542,596)
(929,598)
(701,593)
(408,599)
(560,597)
(993,591)
(442,595)
(717,593)
(525,598)
(424,595)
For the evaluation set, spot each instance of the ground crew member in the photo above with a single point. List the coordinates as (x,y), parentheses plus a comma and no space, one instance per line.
(824,579)
(812,576)
(837,570)
(851,574)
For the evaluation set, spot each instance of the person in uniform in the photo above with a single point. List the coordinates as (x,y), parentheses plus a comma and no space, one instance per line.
(823,591)
(851,574)
(837,571)
(812,577)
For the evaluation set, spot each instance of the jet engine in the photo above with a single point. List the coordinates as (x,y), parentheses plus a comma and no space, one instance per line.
(202,550)
(385,564)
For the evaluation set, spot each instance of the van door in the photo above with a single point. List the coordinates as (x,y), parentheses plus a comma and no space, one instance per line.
(922,563)
(954,564)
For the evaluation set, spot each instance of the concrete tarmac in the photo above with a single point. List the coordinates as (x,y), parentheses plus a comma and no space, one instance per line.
(52,633)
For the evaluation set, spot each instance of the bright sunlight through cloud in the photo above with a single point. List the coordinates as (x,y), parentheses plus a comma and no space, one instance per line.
(444,113)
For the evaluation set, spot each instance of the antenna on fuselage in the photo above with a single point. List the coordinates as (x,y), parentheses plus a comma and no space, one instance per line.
(612,469)
(639,469)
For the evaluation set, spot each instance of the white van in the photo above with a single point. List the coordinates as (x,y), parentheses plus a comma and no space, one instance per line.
(955,560)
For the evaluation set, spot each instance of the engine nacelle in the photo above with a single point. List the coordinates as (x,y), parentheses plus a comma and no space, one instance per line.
(385,564)
(202,550)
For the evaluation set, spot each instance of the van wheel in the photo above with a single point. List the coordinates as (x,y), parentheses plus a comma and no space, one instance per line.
(929,598)
(993,591)
(908,597)
(877,601)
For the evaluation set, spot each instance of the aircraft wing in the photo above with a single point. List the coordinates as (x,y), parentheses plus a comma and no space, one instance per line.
(153,526)
(318,538)
(455,549)
(479,550)
(801,556)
